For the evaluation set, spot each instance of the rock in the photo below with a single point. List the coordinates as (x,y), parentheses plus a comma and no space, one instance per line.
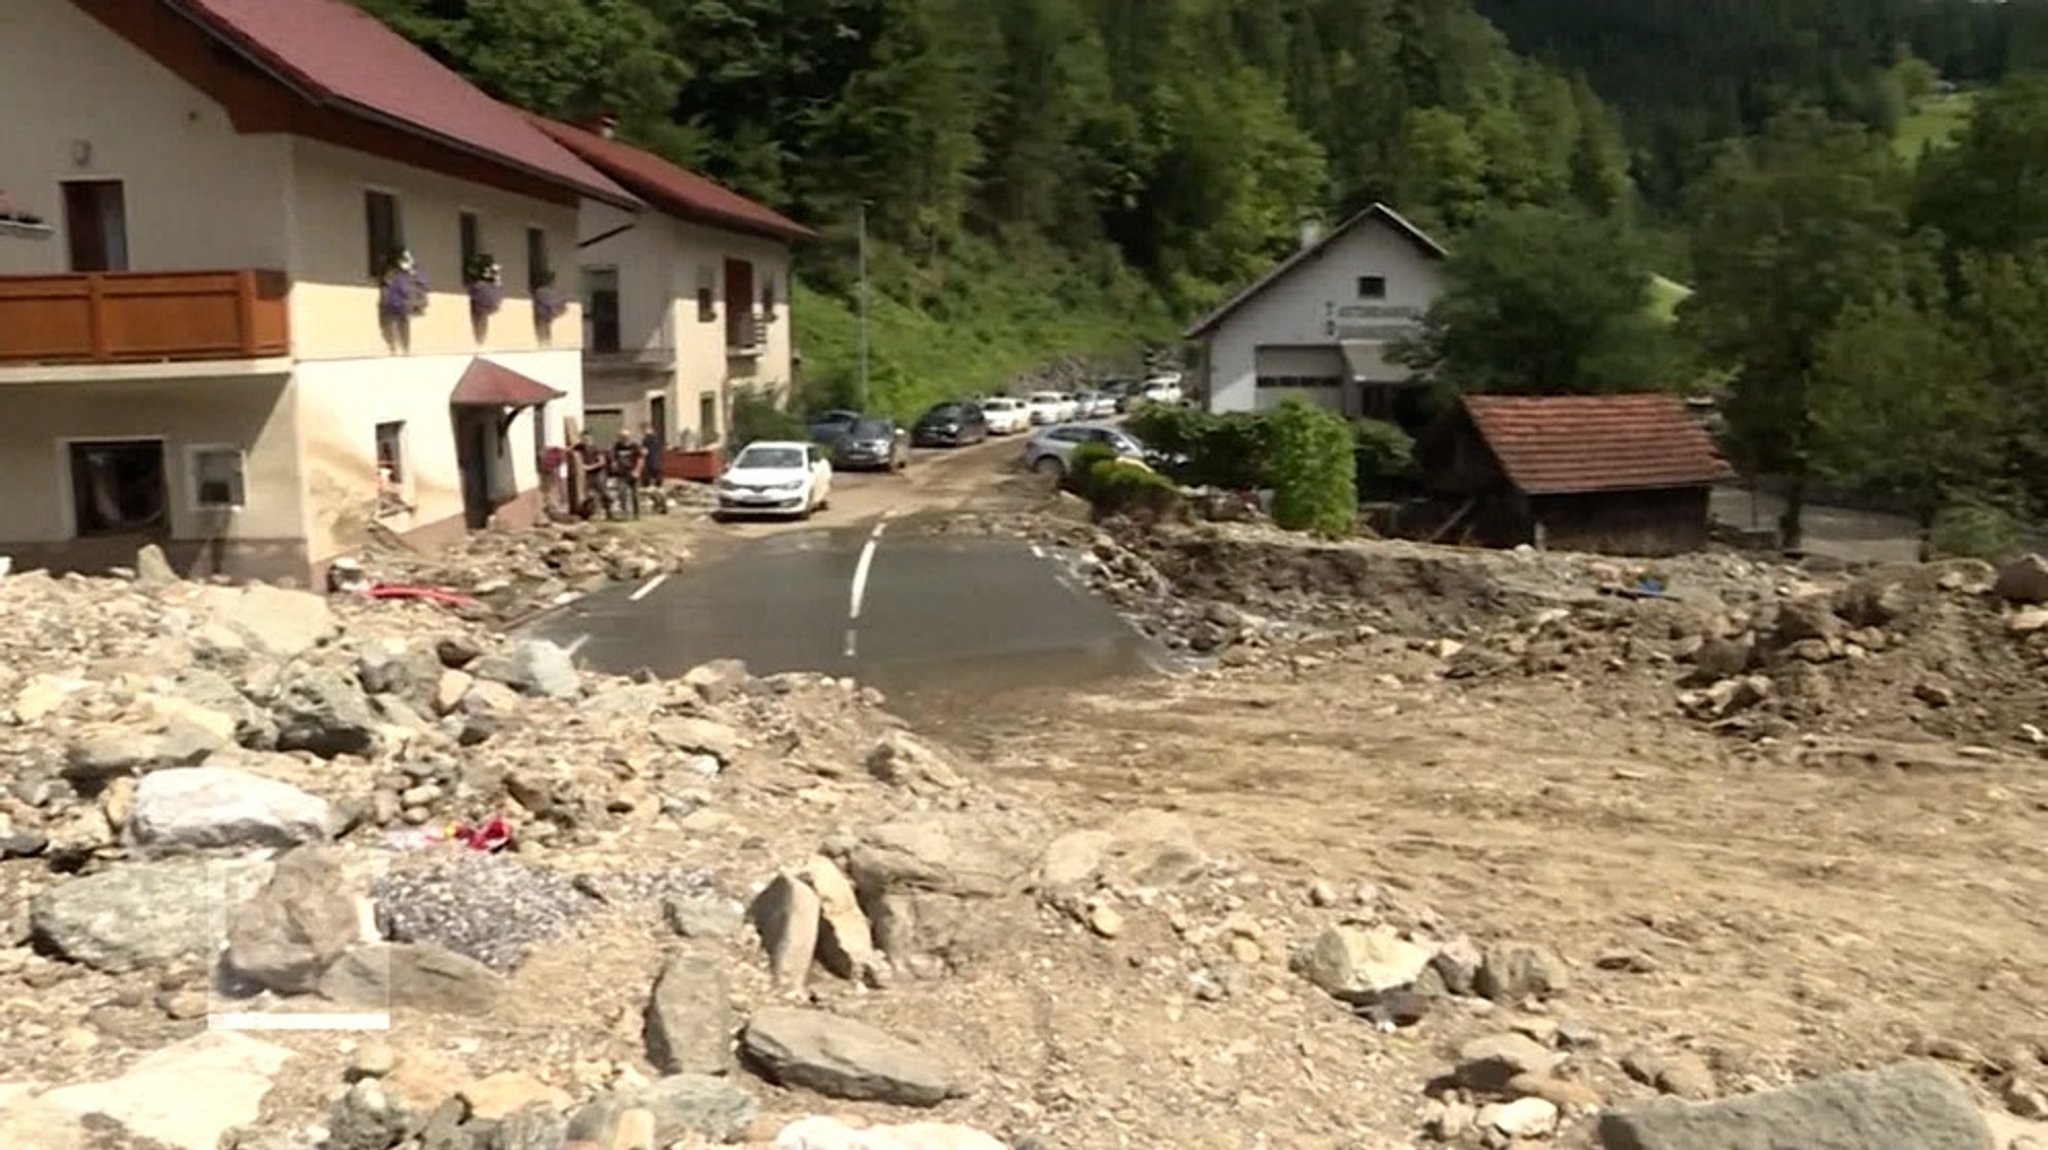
(303,919)
(822,1133)
(718,680)
(682,1105)
(786,915)
(2024,580)
(1104,920)
(1565,1093)
(1488,1064)
(1909,1106)
(1804,618)
(690,1020)
(1720,658)
(1515,971)
(1685,1076)
(221,807)
(457,651)
(699,737)
(903,760)
(702,916)
(498,1096)
(152,568)
(930,882)
(846,944)
(2025,1097)
(2027,620)
(1357,964)
(537,1126)
(411,976)
(450,689)
(841,1058)
(43,695)
(115,752)
(1522,1118)
(141,914)
(1457,964)
(185,1096)
(533,667)
(366,1117)
(322,712)
(279,622)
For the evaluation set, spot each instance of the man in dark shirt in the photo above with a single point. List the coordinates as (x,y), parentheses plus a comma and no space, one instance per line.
(589,462)
(626,461)
(650,451)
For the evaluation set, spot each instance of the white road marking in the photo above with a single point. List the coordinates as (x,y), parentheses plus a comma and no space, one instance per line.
(850,645)
(1037,552)
(647,588)
(576,644)
(879,528)
(860,578)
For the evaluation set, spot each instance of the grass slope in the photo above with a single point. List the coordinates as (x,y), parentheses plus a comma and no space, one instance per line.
(1935,122)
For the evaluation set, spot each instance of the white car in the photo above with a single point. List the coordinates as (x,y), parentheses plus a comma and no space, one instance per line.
(1095,405)
(1162,389)
(1006,416)
(1047,407)
(776,477)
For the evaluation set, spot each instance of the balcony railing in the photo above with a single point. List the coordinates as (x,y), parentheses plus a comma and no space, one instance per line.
(143,317)
(746,333)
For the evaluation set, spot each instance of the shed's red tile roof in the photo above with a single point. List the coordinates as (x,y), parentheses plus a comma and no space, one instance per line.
(671,187)
(487,384)
(1555,445)
(337,55)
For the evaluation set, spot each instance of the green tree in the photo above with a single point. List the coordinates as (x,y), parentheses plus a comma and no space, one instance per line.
(1989,191)
(1312,468)
(1545,301)
(1791,231)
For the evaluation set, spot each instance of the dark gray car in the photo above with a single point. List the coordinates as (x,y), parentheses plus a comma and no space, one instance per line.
(872,444)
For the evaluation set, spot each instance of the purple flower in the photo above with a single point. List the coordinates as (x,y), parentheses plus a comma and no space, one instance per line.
(549,304)
(485,297)
(403,295)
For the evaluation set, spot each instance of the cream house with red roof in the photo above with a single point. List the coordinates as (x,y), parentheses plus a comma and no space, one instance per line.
(684,305)
(251,337)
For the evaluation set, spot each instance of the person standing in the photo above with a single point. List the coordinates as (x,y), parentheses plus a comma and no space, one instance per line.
(650,453)
(589,464)
(627,459)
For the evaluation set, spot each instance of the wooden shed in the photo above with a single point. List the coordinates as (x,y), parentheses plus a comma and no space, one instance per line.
(1623,474)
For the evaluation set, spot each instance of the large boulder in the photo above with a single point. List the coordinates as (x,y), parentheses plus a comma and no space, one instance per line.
(327,714)
(142,914)
(841,1058)
(411,976)
(533,667)
(186,1096)
(304,918)
(209,806)
(682,1105)
(1359,964)
(690,1021)
(2024,580)
(933,883)
(279,622)
(1910,1106)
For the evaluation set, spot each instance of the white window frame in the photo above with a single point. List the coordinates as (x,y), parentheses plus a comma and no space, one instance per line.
(192,453)
(67,495)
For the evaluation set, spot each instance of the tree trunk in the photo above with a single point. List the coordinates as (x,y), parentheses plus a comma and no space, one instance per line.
(1791,528)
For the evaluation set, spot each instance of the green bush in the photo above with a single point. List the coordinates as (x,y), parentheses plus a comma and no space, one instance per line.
(1973,531)
(1126,487)
(1079,477)
(1227,451)
(758,414)
(1384,451)
(1313,471)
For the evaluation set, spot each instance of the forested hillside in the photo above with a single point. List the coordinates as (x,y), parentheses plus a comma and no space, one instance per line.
(1106,166)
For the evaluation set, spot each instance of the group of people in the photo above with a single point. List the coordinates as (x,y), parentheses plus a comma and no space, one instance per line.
(614,477)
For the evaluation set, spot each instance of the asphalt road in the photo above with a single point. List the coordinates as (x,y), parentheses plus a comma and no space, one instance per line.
(933,621)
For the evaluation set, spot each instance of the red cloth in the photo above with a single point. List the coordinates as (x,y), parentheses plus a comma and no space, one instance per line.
(493,835)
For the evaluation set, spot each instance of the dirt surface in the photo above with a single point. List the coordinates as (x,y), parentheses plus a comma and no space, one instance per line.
(1110,894)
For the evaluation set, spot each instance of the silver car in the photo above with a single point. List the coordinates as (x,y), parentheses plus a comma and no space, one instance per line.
(1047,451)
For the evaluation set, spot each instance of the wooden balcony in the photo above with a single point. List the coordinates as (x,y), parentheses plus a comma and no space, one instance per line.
(143,317)
(746,334)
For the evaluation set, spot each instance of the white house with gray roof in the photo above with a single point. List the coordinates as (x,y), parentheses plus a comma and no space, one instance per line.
(1319,324)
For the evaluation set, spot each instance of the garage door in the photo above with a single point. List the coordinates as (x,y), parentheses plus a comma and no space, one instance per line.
(1311,374)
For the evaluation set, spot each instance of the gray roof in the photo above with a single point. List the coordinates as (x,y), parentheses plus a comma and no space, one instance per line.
(1381,212)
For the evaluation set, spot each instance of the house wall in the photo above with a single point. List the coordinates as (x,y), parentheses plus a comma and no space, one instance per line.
(1670,521)
(256,414)
(81,103)
(334,296)
(342,402)
(1317,302)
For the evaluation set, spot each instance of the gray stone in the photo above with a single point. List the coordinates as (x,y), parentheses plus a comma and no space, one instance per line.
(841,1058)
(846,944)
(185,1096)
(718,680)
(690,1022)
(785,915)
(702,916)
(142,914)
(366,1117)
(537,1126)
(1515,971)
(327,714)
(699,736)
(208,806)
(395,667)
(1909,1106)
(280,622)
(682,1104)
(533,667)
(903,760)
(2024,580)
(944,852)
(411,976)
(1488,1064)
(302,920)
(153,568)
(113,752)
(254,726)
(1358,964)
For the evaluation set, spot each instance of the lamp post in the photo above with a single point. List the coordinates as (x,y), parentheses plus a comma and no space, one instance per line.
(861,296)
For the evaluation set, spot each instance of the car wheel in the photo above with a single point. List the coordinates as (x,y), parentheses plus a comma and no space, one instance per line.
(1049,465)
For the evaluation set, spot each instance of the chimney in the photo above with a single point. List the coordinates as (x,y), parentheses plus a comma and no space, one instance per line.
(1311,232)
(607,125)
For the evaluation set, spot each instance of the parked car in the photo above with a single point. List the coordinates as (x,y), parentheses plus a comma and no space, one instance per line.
(950,425)
(1094,405)
(1162,389)
(1005,415)
(1046,407)
(776,477)
(828,426)
(872,444)
(1047,452)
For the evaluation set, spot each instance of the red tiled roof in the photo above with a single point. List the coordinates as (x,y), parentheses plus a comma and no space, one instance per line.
(1554,445)
(673,188)
(487,384)
(337,55)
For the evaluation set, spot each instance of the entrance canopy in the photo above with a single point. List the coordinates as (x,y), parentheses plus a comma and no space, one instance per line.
(487,384)
(17,222)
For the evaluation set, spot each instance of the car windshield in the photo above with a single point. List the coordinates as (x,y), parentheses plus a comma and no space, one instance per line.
(769,459)
(871,429)
(1046,397)
(998,404)
(944,411)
